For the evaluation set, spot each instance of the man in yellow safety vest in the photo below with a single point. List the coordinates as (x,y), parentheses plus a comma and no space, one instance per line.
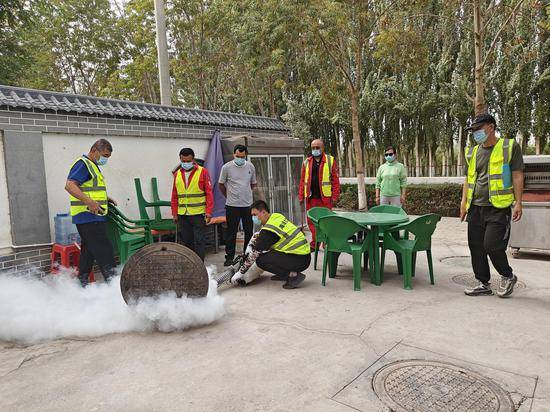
(280,248)
(319,182)
(493,182)
(192,201)
(89,203)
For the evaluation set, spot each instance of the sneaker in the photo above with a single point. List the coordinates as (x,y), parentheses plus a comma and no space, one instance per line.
(506,286)
(228,262)
(294,281)
(481,289)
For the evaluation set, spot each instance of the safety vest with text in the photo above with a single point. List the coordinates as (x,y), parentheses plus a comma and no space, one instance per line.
(326,184)
(191,198)
(501,191)
(291,238)
(94,188)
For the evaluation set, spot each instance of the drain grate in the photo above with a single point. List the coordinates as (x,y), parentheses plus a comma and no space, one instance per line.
(420,385)
(470,281)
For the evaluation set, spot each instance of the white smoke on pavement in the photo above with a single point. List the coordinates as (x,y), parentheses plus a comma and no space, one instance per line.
(34,309)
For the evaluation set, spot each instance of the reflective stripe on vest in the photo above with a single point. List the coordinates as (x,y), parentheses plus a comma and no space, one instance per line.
(191,199)
(326,183)
(499,196)
(291,239)
(94,188)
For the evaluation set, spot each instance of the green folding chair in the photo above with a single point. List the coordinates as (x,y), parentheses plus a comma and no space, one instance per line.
(395,210)
(422,228)
(127,235)
(314,214)
(338,231)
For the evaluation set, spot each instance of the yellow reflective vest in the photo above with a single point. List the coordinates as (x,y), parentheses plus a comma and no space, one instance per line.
(326,184)
(191,199)
(501,191)
(94,188)
(291,238)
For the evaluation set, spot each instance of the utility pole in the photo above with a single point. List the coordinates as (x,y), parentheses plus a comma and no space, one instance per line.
(162,53)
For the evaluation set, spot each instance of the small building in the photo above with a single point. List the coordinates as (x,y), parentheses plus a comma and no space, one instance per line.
(42,133)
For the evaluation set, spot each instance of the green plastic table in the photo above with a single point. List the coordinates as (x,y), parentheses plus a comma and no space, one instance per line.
(374,221)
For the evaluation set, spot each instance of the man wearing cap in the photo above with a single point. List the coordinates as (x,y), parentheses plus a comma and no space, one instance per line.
(494,180)
(89,203)
(319,182)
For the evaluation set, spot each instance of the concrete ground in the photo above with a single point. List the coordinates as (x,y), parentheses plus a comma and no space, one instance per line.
(311,349)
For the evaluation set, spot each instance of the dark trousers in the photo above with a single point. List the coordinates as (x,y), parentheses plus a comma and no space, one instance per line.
(488,235)
(192,230)
(233,216)
(282,264)
(95,245)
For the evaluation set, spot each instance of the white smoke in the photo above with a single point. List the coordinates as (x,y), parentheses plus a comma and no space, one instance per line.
(34,310)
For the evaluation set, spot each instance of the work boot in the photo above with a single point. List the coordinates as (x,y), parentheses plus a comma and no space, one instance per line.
(228,262)
(294,281)
(506,286)
(481,289)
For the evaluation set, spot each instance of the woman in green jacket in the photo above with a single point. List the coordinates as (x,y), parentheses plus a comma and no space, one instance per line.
(391,180)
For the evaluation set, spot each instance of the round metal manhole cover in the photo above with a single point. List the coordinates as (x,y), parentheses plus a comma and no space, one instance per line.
(430,386)
(457,261)
(471,281)
(162,267)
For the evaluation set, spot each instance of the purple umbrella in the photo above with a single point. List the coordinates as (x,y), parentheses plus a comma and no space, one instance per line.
(214,163)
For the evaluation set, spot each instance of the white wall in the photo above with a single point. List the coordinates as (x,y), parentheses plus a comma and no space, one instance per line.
(5,222)
(142,157)
(410,180)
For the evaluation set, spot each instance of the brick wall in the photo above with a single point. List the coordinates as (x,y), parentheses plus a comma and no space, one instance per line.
(31,120)
(27,259)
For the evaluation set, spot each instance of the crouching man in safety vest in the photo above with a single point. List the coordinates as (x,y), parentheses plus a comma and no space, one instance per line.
(89,203)
(192,202)
(319,182)
(280,248)
(494,180)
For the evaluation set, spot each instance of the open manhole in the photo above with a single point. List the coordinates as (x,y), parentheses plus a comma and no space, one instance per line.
(420,385)
(470,281)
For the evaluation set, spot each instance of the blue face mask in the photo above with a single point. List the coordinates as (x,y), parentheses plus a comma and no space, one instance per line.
(480,136)
(102,161)
(390,158)
(316,153)
(239,161)
(187,165)
(256,221)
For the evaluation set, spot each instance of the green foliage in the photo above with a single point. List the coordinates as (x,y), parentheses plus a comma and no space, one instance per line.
(443,199)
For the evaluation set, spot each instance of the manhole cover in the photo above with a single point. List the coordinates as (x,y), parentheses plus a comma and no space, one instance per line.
(471,281)
(419,385)
(163,267)
(459,261)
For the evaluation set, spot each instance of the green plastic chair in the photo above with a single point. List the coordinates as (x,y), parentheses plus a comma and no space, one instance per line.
(157,223)
(338,231)
(395,210)
(422,228)
(314,214)
(127,235)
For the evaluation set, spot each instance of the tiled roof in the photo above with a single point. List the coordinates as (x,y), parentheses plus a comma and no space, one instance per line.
(44,100)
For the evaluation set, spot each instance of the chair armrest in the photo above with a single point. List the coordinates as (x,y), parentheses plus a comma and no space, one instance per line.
(158,203)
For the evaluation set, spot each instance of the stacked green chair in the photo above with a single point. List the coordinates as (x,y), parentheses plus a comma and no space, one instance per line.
(422,228)
(157,223)
(127,235)
(338,231)
(314,214)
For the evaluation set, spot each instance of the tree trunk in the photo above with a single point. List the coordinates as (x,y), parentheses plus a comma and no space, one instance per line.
(479,101)
(431,168)
(417,167)
(537,145)
(357,149)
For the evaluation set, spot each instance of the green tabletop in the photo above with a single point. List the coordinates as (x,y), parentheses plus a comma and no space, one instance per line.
(374,219)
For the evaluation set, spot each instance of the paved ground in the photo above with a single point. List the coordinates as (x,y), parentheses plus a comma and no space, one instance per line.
(311,349)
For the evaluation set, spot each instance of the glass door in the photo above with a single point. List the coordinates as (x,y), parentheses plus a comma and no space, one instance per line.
(262,191)
(279,181)
(297,215)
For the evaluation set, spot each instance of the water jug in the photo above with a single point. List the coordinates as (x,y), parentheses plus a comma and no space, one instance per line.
(65,231)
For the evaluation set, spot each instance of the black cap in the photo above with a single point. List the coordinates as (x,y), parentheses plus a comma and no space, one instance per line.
(481,119)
